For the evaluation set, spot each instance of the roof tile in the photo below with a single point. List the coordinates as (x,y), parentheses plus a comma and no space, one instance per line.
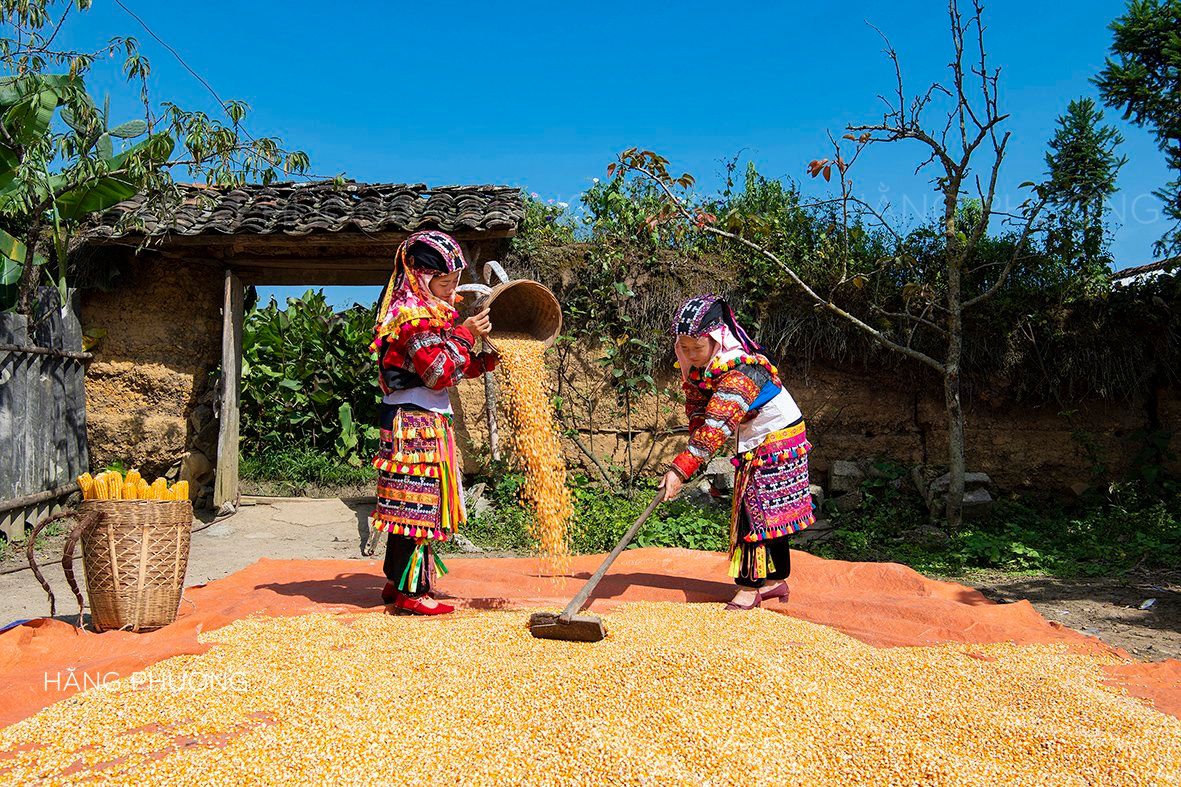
(302,209)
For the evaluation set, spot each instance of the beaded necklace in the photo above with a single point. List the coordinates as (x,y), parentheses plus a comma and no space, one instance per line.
(704,378)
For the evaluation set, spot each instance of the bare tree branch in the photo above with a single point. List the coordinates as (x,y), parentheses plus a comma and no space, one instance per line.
(913,317)
(679,205)
(1004,274)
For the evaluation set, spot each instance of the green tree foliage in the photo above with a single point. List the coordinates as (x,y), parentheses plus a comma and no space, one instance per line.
(63,158)
(1082,165)
(1142,79)
(308,381)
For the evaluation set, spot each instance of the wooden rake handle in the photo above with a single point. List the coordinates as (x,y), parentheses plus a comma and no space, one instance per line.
(576,603)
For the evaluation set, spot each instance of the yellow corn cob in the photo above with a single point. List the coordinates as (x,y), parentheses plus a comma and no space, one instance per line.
(115,485)
(130,490)
(144,492)
(133,477)
(100,487)
(86,484)
(181,490)
(159,488)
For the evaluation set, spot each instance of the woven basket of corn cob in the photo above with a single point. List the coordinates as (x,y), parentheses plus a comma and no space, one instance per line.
(136,551)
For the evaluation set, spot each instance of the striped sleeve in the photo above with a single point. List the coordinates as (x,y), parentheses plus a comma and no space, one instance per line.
(729,404)
(440,359)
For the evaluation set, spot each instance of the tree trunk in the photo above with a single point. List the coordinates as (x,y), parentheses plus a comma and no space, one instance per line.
(955,448)
(30,276)
(951,397)
(951,368)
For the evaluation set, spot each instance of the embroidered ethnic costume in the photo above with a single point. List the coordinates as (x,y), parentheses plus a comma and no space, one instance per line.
(422,351)
(738,400)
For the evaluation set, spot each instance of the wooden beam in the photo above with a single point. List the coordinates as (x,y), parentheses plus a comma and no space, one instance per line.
(324,277)
(355,262)
(225,489)
(312,242)
(39,497)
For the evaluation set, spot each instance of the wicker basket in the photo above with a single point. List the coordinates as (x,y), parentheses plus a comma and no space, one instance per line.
(135,557)
(524,306)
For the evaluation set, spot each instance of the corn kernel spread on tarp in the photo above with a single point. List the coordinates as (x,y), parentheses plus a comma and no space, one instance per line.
(650,702)
(679,694)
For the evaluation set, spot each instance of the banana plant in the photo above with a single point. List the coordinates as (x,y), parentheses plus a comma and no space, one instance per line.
(91,177)
(59,151)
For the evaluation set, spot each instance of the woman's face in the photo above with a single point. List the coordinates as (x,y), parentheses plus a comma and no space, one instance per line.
(697,349)
(443,285)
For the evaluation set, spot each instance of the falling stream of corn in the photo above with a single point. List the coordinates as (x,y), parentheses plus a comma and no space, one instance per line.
(677,694)
(536,442)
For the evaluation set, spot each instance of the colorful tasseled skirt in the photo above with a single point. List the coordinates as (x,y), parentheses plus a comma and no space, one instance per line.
(419,494)
(771,499)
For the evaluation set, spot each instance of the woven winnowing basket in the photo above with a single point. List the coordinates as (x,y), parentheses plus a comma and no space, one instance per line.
(524,306)
(135,558)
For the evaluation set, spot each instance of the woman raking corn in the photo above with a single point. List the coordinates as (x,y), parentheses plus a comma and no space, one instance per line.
(734,397)
(422,351)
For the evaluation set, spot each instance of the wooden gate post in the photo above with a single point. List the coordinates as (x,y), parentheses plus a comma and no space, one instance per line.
(225,489)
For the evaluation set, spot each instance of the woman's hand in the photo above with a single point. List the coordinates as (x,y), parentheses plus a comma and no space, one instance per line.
(671,484)
(479,324)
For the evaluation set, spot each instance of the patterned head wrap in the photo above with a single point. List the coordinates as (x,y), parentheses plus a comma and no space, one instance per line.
(698,315)
(408,297)
(709,315)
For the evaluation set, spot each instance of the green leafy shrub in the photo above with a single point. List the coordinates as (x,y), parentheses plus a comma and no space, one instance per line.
(600,520)
(309,381)
(1131,525)
(293,469)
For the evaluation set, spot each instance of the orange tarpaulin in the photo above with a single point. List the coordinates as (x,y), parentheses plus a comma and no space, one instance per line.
(883,604)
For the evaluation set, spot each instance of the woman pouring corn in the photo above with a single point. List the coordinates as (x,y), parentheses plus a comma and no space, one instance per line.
(422,351)
(734,397)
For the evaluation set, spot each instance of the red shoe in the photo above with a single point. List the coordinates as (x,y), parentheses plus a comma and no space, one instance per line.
(414,606)
(758,600)
(389,593)
(781,592)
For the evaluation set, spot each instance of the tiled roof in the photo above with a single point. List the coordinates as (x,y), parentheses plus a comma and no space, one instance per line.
(1142,271)
(303,209)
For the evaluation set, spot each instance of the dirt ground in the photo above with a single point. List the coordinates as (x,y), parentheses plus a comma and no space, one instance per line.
(1104,607)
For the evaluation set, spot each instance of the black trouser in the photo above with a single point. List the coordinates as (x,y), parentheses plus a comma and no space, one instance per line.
(778,552)
(398,550)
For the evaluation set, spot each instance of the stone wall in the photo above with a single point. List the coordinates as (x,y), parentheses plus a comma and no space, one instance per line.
(150,388)
(867,414)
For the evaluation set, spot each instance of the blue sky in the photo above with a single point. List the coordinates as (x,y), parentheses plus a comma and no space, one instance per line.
(543,95)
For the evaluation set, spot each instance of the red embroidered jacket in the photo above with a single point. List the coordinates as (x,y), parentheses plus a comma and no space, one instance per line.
(714,417)
(437,359)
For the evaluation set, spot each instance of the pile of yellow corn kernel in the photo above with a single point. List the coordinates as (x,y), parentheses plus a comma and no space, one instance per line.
(536,442)
(676,694)
(111,485)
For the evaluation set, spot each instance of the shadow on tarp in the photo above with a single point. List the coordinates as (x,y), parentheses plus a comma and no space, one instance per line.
(358,590)
(694,590)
